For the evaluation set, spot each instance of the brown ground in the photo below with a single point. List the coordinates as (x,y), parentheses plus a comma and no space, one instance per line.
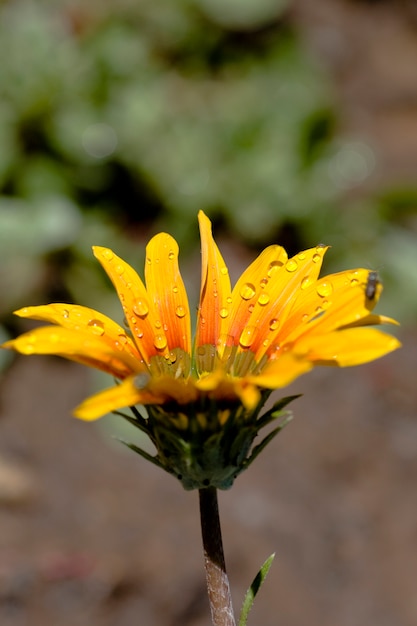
(90,534)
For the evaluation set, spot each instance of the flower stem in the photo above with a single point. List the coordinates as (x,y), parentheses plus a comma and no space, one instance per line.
(217,581)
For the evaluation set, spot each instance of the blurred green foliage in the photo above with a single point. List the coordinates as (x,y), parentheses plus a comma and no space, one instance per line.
(138,113)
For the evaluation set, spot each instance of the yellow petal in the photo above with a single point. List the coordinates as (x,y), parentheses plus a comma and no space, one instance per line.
(167,293)
(251,294)
(351,346)
(215,289)
(124,395)
(77,346)
(278,283)
(332,302)
(82,319)
(281,371)
(139,311)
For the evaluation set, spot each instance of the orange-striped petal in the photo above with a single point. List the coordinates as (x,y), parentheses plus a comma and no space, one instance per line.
(276,289)
(215,295)
(167,293)
(332,302)
(82,319)
(77,346)
(143,320)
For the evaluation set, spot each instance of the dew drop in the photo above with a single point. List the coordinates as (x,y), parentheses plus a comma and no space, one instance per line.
(180,311)
(141,308)
(107,254)
(224,271)
(148,260)
(354,282)
(201,351)
(171,255)
(229,300)
(263,283)
(97,327)
(138,332)
(316,258)
(123,339)
(325,289)
(274,324)
(263,299)
(65,313)
(175,289)
(273,267)
(265,343)
(133,319)
(119,269)
(158,324)
(247,291)
(305,317)
(305,282)
(301,256)
(223,313)
(251,307)
(160,341)
(291,265)
(247,336)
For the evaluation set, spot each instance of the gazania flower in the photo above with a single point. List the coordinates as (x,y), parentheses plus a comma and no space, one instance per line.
(204,397)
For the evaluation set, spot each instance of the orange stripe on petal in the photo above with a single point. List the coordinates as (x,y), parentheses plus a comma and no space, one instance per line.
(215,295)
(138,309)
(167,293)
(250,295)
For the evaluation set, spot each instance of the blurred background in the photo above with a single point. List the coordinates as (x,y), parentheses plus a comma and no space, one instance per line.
(286,121)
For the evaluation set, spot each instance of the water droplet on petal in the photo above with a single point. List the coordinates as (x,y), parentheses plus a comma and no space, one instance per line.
(273,267)
(305,282)
(247,336)
(123,339)
(180,311)
(133,319)
(274,324)
(138,332)
(119,269)
(65,313)
(229,300)
(324,289)
(175,289)
(305,317)
(263,299)
(224,271)
(158,324)
(316,258)
(107,254)
(291,265)
(247,291)
(263,283)
(97,327)
(160,341)
(301,256)
(223,313)
(141,308)
(171,255)
(354,282)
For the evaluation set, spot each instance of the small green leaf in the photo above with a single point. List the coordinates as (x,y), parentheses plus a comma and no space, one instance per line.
(253,590)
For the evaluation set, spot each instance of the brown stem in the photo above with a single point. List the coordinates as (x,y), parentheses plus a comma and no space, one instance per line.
(217,582)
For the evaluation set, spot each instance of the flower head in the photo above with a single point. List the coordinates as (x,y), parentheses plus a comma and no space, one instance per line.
(203,397)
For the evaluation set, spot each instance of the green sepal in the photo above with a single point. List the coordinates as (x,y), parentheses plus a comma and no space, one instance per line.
(258,448)
(253,590)
(145,455)
(275,411)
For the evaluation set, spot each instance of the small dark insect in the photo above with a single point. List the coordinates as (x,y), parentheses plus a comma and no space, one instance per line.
(371,285)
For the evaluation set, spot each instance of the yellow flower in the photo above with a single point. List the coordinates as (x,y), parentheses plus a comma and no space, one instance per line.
(278,322)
